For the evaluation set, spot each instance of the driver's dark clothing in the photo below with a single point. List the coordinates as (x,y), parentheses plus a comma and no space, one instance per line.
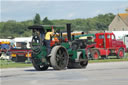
(48,48)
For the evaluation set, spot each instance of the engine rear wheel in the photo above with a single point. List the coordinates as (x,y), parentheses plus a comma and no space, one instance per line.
(59,58)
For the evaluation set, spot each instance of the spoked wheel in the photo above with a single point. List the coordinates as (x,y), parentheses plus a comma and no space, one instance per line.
(40,67)
(120,53)
(59,58)
(95,54)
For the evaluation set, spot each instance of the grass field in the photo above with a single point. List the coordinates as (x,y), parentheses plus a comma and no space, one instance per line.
(126,54)
(112,59)
(10,64)
(108,60)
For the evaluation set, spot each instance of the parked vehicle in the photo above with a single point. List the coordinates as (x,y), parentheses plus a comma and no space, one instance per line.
(20,53)
(107,45)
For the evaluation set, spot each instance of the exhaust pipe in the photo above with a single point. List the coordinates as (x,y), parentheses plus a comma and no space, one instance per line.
(69,32)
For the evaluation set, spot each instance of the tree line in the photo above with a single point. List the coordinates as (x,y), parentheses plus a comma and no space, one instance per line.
(12,28)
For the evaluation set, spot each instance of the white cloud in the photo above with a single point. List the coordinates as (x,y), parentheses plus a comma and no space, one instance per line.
(24,0)
(124,6)
(99,11)
(70,15)
(15,6)
(120,8)
(25,10)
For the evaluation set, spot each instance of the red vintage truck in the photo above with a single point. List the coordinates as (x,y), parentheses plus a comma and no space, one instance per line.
(107,45)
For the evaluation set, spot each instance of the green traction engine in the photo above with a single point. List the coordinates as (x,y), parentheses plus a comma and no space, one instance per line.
(64,54)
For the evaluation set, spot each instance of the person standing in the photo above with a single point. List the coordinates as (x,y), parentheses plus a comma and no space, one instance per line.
(47,40)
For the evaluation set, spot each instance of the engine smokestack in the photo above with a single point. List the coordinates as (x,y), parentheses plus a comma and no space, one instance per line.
(69,32)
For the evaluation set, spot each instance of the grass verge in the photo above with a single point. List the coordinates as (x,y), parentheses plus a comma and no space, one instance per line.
(108,60)
(112,59)
(10,64)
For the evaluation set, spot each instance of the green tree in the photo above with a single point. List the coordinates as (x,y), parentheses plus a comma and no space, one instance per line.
(37,20)
(47,22)
(14,28)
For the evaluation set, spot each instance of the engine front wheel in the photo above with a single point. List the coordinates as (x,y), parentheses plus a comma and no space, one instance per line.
(41,67)
(81,64)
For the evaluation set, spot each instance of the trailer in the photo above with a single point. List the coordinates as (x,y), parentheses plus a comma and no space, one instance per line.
(20,49)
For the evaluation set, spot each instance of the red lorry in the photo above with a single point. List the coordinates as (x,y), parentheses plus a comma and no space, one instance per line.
(107,45)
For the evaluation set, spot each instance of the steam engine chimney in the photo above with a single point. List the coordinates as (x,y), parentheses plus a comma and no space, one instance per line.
(69,32)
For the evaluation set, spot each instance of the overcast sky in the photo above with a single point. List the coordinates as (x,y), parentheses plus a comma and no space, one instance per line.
(21,10)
